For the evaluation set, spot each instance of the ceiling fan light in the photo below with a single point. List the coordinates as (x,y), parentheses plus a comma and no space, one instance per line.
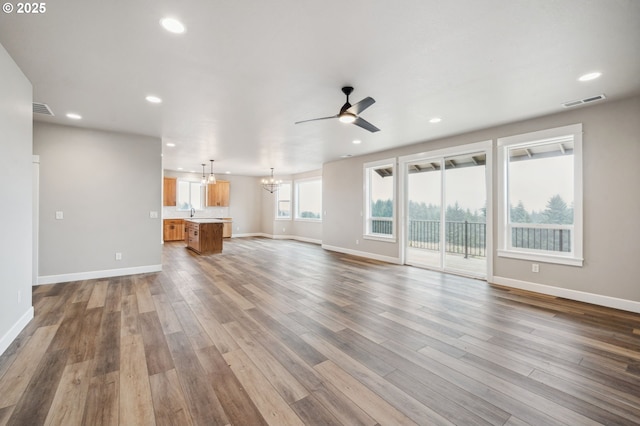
(347,117)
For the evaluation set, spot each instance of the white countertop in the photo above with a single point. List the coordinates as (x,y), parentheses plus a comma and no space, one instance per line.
(206,220)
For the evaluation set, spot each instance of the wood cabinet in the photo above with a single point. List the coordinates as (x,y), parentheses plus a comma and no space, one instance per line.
(218,194)
(227,227)
(169,191)
(173,229)
(204,238)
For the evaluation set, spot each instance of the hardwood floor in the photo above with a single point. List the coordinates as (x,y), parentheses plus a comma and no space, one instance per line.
(285,333)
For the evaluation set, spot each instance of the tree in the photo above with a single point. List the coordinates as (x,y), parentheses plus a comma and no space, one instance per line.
(382,208)
(557,211)
(519,214)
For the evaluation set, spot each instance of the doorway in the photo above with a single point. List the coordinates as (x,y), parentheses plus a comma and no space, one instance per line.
(445,214)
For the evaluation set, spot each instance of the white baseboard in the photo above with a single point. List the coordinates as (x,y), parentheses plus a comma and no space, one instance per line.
(289,237)
(91,275)
(580,296)
(368,255)
(249,234)
(13,332)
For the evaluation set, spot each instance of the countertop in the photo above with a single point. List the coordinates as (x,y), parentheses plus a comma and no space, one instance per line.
(206,220)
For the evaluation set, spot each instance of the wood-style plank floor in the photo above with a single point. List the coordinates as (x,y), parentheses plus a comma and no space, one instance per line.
(284,333)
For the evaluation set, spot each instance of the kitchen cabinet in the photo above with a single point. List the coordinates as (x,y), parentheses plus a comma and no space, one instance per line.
(173,229)
(169,191)
(227,227)
(218,194)
(204,236)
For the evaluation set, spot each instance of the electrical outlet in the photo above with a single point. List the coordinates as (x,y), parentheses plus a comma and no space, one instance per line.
(535,267)
(118,256)
(153,215)
(59,215)
(357,242)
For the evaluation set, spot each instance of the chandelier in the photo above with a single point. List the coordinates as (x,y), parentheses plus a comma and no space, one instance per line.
(271,184)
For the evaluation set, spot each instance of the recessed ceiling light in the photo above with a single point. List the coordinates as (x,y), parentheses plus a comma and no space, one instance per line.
(346,156)
(357,141)
(171,144)
(179,168)
(74,116)
(227,172)
(590,76)
(172,25)
(435,120)
(153,99)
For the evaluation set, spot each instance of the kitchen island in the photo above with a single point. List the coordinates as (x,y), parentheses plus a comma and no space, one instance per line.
(204,236)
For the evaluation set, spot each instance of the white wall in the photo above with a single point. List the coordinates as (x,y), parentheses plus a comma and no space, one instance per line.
(16,185)
(611,151)
(106,184)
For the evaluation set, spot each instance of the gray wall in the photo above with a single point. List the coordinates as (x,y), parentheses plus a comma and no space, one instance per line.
(106,184)
(16,204)
(611,146)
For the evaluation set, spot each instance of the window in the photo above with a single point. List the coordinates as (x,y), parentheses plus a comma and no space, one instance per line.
(190,195)
(283,201)
(309,199)
(540,212)
(379,198)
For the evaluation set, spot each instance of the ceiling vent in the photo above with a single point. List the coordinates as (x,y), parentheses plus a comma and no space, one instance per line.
(584,101)
(43,109)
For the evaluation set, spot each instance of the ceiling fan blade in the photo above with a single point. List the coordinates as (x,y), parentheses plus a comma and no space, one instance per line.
(316,119)
(361,122)
(361,106)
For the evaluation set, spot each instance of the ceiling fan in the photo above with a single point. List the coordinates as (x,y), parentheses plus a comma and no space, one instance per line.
(349,113)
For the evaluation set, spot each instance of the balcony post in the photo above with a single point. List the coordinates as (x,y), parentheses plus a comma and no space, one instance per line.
(466,239)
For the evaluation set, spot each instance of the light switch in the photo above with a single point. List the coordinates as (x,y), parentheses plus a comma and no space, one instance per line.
(59,215)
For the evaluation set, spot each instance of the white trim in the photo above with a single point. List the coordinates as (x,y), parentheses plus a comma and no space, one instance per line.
(15,330)
(580,296)
(365,254)
(446,152)
(379,237)
(485,146)
(296,199)
(541,257)
(277,201)
(504,249)
(367,172)
(90,275)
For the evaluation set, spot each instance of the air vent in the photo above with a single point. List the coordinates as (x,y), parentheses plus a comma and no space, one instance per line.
(43,109)
(584,101)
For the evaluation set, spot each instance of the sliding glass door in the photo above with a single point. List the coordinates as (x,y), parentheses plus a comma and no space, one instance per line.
(446,215)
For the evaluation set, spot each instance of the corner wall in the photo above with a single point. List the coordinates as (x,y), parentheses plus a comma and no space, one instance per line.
(16,186)
(105,184)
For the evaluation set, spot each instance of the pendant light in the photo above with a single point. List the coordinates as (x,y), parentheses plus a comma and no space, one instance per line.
(204,178)
(212,177)
(271,184)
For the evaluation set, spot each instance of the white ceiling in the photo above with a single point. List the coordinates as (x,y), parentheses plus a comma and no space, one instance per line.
(234,84)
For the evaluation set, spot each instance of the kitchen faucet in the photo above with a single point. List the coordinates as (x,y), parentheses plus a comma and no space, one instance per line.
(193,212)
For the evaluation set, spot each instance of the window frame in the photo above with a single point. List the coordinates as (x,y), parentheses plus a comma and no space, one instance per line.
(203,195)
(277,201)
(369,168)
(505,249)
(296,213)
